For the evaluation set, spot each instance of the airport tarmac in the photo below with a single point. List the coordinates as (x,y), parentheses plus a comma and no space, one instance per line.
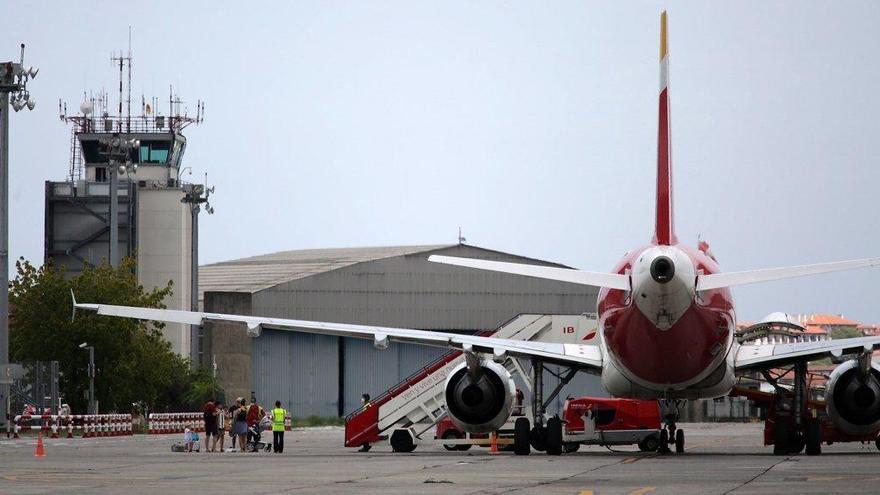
(720,458)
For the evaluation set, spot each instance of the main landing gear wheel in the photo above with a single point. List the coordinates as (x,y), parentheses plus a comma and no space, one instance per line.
(780,437)
(521,444)
(538,438)
(664,442)
(679,441)
(814,437)
(402,441)
(649,444)
(554,436)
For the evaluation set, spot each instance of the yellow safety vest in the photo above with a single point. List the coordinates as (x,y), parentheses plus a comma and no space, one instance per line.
(278,415)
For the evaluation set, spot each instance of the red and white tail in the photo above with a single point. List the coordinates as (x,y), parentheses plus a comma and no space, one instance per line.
(664,228)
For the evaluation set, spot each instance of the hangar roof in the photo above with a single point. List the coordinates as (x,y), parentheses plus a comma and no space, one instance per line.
(268,270)
(256,273)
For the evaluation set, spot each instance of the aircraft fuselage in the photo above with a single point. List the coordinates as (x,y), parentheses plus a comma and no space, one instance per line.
(663,339)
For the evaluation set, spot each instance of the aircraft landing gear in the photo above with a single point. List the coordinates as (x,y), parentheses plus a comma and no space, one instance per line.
(793,428)
(542,437)
(670,434)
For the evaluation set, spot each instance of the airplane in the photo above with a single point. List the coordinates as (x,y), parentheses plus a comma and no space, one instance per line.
(667,325)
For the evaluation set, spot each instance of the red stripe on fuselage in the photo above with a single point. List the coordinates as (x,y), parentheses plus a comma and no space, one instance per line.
(663,229)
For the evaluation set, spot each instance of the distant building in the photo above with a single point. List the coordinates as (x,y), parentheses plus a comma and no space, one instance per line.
(824,326)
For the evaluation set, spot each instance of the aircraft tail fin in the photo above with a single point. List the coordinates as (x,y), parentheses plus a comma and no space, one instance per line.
(664,228)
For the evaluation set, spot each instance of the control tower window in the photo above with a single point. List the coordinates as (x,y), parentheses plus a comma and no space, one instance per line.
(100,174)
(154,151)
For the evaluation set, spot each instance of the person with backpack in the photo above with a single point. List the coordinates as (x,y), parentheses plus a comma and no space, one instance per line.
(239,424)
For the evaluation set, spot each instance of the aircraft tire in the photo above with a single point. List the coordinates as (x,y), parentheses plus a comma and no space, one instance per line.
(814,437)
(521,445)
(781,437)
(663,448)
(554,436)
(538,438)
(679,441)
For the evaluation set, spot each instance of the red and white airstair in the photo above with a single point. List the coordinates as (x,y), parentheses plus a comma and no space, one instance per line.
(417,402)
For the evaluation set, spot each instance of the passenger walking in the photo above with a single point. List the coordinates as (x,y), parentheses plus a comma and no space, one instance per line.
(211,426)
(221,423)
(239,426)
(230,416)
(278,415)
(254,413)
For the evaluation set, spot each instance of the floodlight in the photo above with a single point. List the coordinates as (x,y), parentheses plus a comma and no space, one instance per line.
(83,345)
(31,104)
(33,72)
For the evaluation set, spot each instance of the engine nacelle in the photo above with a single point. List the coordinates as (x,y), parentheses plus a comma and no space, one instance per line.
(483,404)
(851,402)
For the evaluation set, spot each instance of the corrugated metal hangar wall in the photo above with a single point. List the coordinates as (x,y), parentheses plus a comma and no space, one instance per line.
(395,287)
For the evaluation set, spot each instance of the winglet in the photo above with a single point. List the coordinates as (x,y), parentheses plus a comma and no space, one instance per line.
(664,228)
(73,315)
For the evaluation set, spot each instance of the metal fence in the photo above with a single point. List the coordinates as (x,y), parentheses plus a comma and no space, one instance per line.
(35,388)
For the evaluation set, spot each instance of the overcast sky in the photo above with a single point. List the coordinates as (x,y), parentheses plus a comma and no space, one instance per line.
(531,125)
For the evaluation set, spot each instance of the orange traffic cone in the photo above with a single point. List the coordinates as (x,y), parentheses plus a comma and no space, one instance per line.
(40,451)
(494,448)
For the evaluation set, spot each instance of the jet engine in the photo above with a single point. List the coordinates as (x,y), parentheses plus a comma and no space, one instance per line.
(853,401)
(479,400)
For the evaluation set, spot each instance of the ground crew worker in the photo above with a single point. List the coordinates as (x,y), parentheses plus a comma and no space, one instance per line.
(278,415)
(365,402)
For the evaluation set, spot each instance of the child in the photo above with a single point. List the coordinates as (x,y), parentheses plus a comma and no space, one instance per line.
(191,439)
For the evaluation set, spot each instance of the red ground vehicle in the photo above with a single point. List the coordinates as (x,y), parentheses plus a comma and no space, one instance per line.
(587,421)
(602,421)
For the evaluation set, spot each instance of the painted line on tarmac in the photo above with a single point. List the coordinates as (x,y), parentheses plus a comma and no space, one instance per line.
(643,491)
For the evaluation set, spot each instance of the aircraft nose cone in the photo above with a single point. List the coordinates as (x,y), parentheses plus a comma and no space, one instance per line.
(662,269)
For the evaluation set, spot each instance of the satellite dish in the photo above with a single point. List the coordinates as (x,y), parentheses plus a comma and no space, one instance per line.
(86,108)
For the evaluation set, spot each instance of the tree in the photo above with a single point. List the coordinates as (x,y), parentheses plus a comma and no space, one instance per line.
(135,364)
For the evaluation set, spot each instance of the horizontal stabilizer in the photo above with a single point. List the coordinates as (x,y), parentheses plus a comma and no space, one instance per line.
(609,280)
(718,280)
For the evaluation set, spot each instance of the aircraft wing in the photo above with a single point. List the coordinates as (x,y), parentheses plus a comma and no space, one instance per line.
(584,357)
(728,279)
(595,279)
(762,356)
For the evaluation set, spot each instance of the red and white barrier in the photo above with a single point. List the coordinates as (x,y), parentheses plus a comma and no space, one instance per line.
(160,423)
(91,425)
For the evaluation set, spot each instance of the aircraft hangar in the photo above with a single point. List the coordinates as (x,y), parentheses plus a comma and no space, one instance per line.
(385,286)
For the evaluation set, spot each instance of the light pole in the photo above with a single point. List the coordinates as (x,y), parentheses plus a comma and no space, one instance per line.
(194,196)
(91,348)
(118,152)
(13,81)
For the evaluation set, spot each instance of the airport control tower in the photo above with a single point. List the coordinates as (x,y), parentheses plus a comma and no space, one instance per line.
(124,196)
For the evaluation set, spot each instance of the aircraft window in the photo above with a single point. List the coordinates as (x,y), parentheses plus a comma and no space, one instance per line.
(605,416)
